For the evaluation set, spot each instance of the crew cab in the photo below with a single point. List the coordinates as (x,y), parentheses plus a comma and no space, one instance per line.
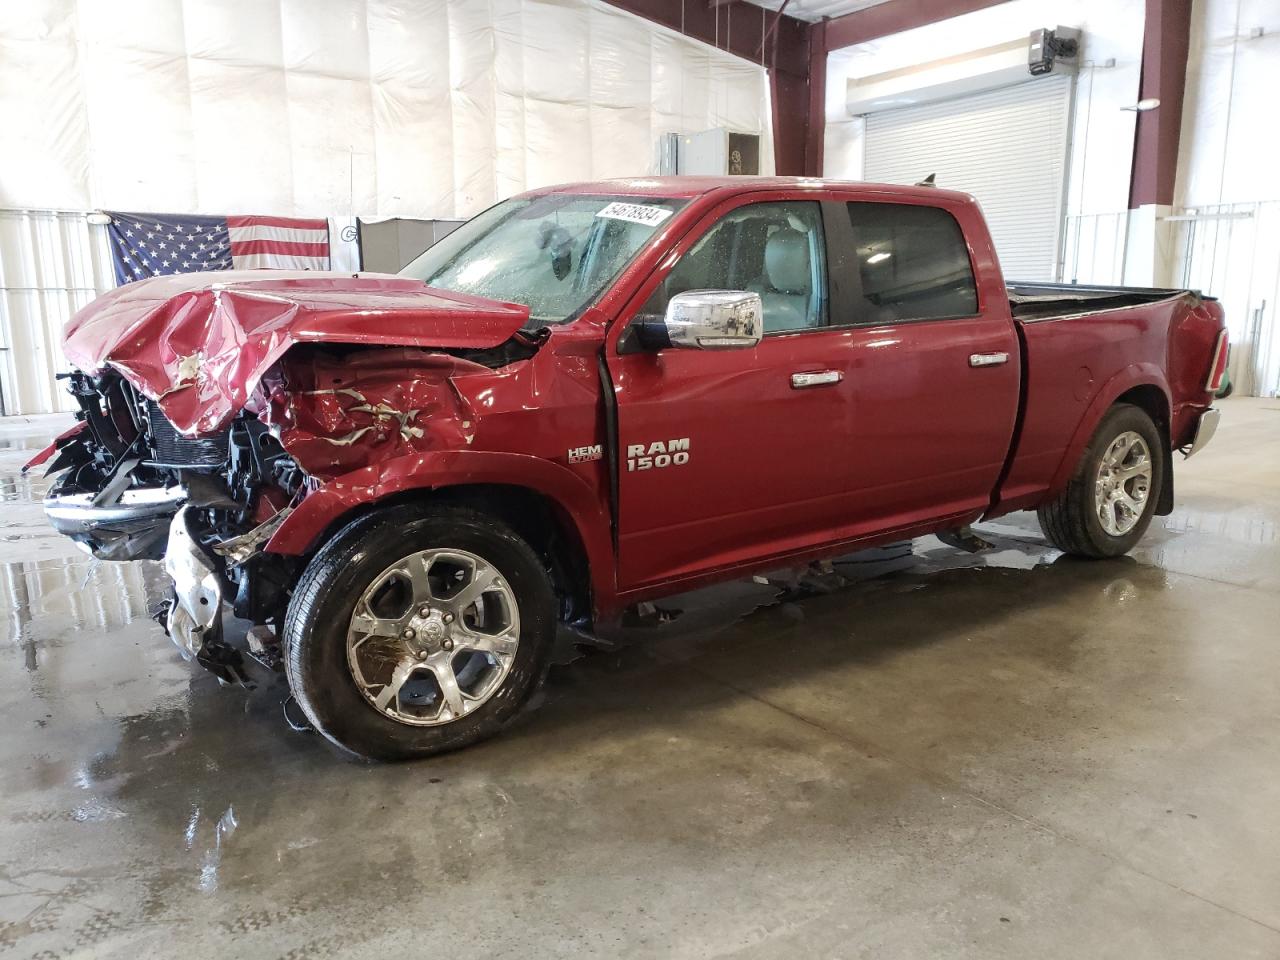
(593,395)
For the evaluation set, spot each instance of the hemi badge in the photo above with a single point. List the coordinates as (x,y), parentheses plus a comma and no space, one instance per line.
(585,454)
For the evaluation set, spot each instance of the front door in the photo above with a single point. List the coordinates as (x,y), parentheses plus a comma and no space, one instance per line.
(728,456)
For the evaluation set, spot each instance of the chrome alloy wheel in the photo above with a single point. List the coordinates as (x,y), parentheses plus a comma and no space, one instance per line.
(433,637)
(1123,483)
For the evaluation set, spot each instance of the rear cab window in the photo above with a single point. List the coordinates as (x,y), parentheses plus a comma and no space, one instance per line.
(911,263)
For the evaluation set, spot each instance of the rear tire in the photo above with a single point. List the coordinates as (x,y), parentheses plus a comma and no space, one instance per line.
(1108,503)
(418,629)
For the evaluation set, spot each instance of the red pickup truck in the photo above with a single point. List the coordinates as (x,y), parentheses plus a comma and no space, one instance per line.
(594,395)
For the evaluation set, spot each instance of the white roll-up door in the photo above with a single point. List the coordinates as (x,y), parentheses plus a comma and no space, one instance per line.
(1008,147)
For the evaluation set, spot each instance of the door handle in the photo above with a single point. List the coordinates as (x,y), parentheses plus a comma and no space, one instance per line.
(818,378)
(987,359)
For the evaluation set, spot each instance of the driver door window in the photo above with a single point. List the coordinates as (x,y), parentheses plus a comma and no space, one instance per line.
(773,249)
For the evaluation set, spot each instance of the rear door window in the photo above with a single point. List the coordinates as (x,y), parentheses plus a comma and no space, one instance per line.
(913,263)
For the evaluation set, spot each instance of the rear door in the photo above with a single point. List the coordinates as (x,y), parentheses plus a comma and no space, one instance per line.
(936,366)
(724,457)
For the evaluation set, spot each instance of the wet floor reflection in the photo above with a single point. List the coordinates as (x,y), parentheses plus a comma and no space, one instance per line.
(46,600)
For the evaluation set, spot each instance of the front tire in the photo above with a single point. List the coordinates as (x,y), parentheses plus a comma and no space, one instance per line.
(418,629)
(1110,500)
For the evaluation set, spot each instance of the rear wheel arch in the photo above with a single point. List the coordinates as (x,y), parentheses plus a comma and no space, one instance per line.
(1144,381)
(1107,505)
(1153,400)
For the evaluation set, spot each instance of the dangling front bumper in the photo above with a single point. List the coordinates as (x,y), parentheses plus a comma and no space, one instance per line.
(194,616)
(132,528)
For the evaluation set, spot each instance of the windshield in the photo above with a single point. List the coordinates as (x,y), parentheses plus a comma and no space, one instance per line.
(552,253)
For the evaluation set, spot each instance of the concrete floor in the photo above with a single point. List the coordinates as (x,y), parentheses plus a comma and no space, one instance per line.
(1007,755)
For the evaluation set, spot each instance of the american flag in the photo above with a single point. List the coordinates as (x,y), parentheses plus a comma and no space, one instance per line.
(153,245)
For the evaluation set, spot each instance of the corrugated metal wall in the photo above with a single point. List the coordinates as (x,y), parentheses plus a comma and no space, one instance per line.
(51,264)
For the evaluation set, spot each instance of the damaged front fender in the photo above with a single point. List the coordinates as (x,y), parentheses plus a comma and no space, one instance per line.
(326,507)
(335,414)
(62,440)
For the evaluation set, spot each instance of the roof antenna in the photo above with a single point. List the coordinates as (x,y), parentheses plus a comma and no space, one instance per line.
(927,181)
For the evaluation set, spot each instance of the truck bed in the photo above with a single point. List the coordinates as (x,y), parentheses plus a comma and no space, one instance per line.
(1043,301)
(1082,347)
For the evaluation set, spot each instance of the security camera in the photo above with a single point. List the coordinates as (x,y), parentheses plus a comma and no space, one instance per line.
(1046,47)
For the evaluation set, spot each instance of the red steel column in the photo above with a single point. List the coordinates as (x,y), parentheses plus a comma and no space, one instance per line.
(1164,77)
(817,120)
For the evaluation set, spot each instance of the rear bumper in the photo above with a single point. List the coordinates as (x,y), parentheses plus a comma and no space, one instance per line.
(1206,427)
(134,528)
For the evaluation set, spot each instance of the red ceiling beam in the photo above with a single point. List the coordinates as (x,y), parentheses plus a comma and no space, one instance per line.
(737,28)
(1164,77)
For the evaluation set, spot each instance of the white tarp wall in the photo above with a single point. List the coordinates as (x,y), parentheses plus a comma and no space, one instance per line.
(432,109)
(417,108)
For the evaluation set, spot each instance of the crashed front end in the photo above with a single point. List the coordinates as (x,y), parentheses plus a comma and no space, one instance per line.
(129,486)
(201,426)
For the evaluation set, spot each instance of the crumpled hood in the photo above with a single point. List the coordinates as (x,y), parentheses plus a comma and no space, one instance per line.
(200,343)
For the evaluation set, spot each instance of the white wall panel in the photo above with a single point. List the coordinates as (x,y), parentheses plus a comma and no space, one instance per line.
(1227,179)
(417,108)
(430,109)
(1094,249)
(1230,137)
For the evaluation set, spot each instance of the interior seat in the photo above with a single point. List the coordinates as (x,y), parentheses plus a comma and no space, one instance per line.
(786,285)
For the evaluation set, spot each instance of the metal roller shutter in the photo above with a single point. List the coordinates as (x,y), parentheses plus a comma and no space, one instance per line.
(1008,147)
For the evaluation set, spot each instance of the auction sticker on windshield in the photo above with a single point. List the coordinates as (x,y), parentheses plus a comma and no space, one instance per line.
(635,213)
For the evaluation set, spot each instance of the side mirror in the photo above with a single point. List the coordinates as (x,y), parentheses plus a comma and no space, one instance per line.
(707,320)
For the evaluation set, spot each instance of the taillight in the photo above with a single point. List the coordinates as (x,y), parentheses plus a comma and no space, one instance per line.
(1218,368)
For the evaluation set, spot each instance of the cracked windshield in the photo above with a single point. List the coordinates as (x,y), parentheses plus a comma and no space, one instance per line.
(552,253)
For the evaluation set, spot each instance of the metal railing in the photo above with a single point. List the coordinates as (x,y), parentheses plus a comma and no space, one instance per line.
(1094,248)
